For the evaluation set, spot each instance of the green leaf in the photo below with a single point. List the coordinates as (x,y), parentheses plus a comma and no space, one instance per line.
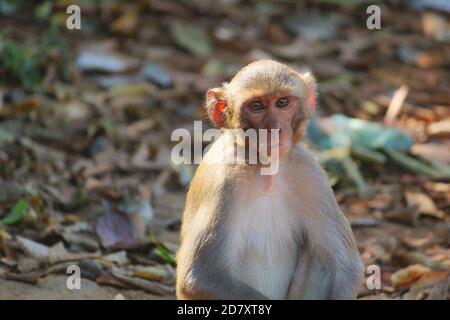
(16,214)
(165,254)
(161,250)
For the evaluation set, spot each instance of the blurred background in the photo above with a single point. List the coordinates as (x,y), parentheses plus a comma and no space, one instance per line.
(86,117)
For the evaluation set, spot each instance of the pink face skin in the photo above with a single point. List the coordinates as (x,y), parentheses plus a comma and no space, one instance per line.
(275,111)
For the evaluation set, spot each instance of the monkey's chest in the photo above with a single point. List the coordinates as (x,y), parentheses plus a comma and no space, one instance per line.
(262,245)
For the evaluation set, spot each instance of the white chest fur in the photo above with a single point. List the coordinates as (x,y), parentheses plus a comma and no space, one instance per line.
(262,242)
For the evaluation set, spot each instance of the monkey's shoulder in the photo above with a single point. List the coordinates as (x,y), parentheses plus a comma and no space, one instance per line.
(211,188)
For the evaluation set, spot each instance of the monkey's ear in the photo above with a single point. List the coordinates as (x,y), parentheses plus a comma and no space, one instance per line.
(215,106)
(310,90)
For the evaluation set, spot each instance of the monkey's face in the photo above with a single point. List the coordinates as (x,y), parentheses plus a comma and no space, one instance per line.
(268,97)
(272,116)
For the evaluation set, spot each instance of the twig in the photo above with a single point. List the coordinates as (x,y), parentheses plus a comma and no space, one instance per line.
(396,104)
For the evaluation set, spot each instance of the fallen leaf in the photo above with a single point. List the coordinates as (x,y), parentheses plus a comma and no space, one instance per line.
(439,128)
(426,283)
(16,214)
(127,22)
(34,249)
(97,60)
(57,252)
(157,75)
(116,230)
(435,26)
(82,240)
(423,204)
(434,151)
(408,275)
(140,212)
(120,258)
(416,257)
(418,243)
(150,273)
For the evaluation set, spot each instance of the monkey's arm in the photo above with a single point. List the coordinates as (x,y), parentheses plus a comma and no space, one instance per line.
(202,272)
(210,281)
(329,265)
(202,269)
(328,268)
(340,260)
(217,286)
(347,264)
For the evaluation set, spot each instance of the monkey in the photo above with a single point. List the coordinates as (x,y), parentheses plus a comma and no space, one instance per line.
(245,235)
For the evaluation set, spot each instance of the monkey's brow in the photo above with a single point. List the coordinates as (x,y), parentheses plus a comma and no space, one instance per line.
(259,91)
(269,83)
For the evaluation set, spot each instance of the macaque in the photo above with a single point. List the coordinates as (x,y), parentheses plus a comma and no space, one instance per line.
(246,235)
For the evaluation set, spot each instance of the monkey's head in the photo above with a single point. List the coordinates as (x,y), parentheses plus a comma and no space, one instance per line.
(265,95)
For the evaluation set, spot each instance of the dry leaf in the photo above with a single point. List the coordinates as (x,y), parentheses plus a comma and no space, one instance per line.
(120,258)
(408,275)
(34,249)
(115,230)
(426,283)
(424,204)
(127,22)
(150,273)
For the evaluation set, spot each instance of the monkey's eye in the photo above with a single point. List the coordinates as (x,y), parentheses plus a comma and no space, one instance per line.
(257,106)
(282,102)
